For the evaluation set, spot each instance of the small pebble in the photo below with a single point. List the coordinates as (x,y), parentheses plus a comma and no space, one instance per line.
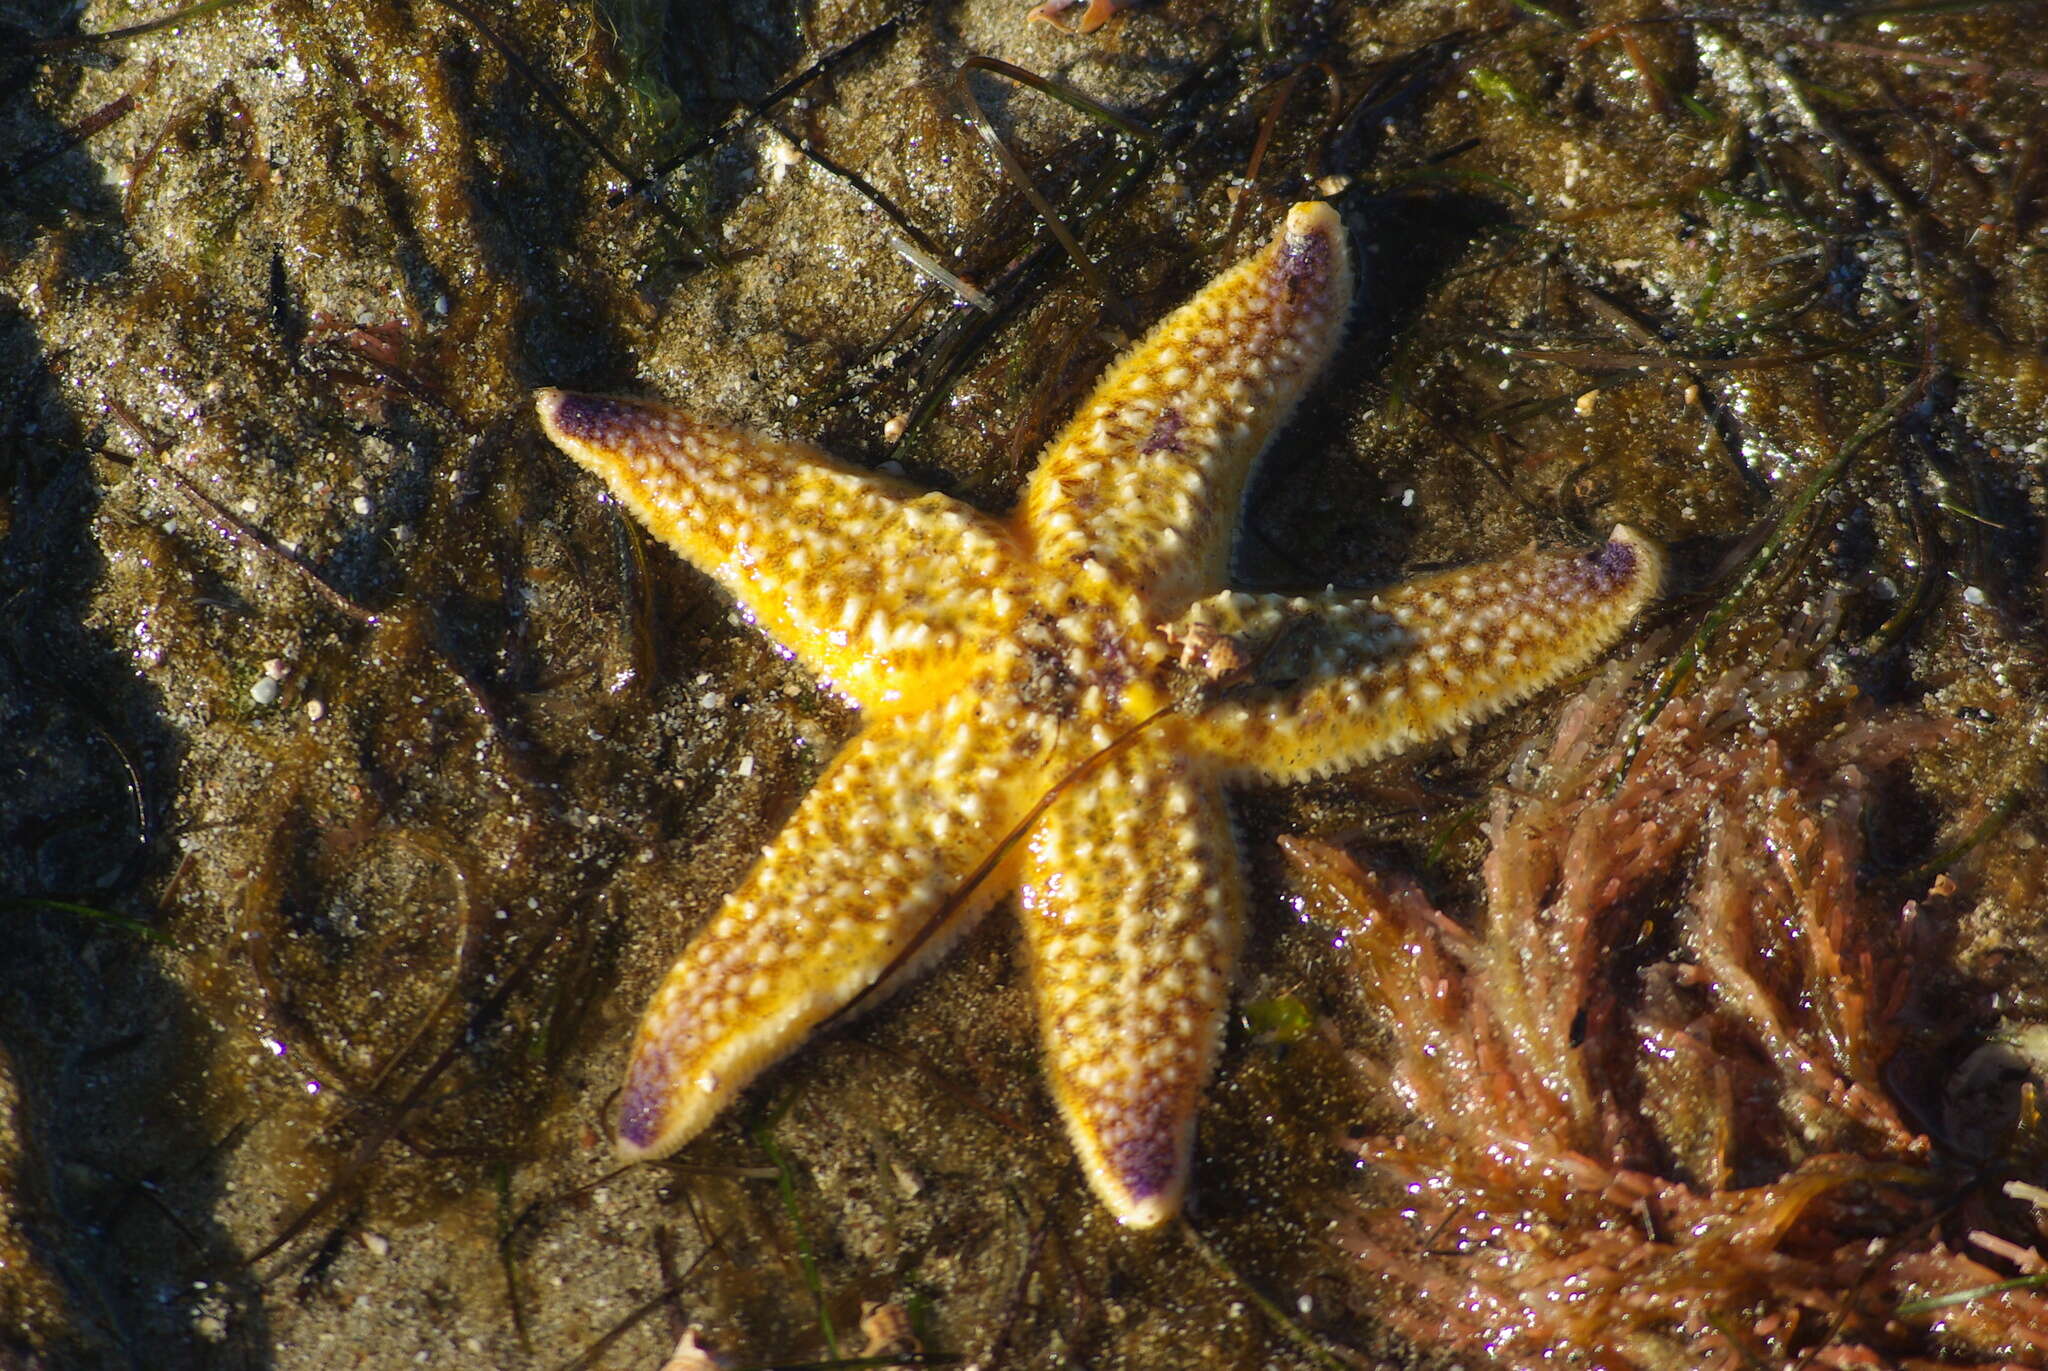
(277,668)
(361,504)
(315,711)
(264,692)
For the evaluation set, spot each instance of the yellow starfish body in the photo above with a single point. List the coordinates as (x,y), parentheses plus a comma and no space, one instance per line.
(1028,678)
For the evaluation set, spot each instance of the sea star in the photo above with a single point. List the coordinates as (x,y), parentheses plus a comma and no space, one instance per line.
(1054,702)
(1094,17)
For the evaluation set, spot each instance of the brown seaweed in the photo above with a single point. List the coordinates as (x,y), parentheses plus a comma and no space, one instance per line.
(1654,1125)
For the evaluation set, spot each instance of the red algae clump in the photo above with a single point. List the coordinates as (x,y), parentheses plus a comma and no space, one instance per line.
(1654,1124)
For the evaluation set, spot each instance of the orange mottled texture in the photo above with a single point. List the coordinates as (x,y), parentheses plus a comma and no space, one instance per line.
(1028,721)
(1094,13)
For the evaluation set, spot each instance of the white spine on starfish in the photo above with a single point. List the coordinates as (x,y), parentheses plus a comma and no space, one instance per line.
(1343,677)
(1131,899)
(1147,478)
(815,549)
(879,849)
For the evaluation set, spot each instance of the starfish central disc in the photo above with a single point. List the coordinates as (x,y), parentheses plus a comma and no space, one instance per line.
(1054,702)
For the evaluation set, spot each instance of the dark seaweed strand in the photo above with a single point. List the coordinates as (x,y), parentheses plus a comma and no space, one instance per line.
(1114,302)
(147,26)
(1680,668)
(553,100)
(789,87)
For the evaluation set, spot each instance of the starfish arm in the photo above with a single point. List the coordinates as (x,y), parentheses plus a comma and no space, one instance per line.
(1369,674)
(1096,14)
(1146,480)
(877,856)
(1131,900)
(876,587)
